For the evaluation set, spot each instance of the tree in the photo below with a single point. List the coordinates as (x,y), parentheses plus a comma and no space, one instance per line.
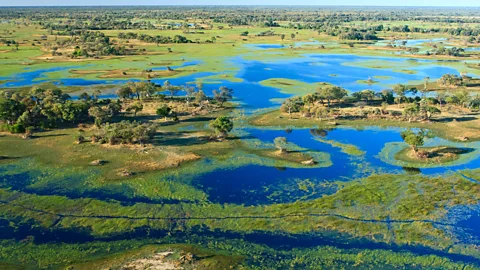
(281,144)
(167,85)
(222,125)
(292,36)
(282,37)
(96,94)
(164,111)
(189,92)
(425,86)
(431,110)
(463,97)
(10,110)
(400,90)
(135,107)
(411,111)
(200,97)
(199,85)
(413,139)
(440,96)
(331,92)
(126,132)
(99,115)
(366,95)
(474,102)
(146,89)
(224,94)
(124,92)
(450,80)
(292,105)
(387,96)
(309,99)
(170,88)
(134,89)
(320,111)
(85,96)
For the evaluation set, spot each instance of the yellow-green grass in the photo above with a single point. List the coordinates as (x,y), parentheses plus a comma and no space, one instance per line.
(415,203)
(438,155)
(348,149)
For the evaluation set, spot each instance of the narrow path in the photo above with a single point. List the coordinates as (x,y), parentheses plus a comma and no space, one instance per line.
(387,221)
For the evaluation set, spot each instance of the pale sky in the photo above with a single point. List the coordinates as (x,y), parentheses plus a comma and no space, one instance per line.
(475,3)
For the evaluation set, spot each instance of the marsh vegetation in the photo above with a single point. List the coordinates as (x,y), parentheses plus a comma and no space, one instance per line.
(239,138)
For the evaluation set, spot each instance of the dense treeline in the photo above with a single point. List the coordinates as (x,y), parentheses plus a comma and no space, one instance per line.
(40,109)
(325,19)
(326,101)
(247,15)
(154,39)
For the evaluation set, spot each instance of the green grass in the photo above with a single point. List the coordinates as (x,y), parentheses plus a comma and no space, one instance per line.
(348,149)
(375,198)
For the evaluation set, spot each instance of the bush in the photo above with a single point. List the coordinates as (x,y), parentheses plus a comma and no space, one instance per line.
(126,132)
(16,128)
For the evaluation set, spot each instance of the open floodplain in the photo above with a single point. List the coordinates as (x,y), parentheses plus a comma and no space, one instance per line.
(239,138)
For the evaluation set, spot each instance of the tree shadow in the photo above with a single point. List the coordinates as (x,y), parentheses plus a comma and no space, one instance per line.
(459,119)
(450,150)
(47,135)
(411,170)
(199,119)
(178,139)
(238,138)
(182,138)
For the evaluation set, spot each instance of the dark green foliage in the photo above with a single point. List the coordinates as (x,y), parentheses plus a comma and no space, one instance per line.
(43,108)
(222,125)
(10,110)
(414,139)
(164,111)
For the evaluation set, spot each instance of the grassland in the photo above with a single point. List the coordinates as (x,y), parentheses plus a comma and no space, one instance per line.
(63,212)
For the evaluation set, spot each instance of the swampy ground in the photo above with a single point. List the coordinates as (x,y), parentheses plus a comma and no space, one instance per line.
(237,203)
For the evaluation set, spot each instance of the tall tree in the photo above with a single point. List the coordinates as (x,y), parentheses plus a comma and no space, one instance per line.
(223,95)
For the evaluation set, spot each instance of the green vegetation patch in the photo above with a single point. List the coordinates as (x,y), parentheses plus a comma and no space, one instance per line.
(289,86)
(348,149)
(399,154)
(432,155)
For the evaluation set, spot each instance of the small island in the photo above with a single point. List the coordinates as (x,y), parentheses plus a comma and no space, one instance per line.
(427,155)
(432,155)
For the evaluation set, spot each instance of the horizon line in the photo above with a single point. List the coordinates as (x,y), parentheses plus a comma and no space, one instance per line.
(226,5)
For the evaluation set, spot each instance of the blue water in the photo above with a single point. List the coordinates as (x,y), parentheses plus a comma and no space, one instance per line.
(286,45)
(310,69)
(255,184)
(472,49)
(249,184)
(266,46)
(412,42)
